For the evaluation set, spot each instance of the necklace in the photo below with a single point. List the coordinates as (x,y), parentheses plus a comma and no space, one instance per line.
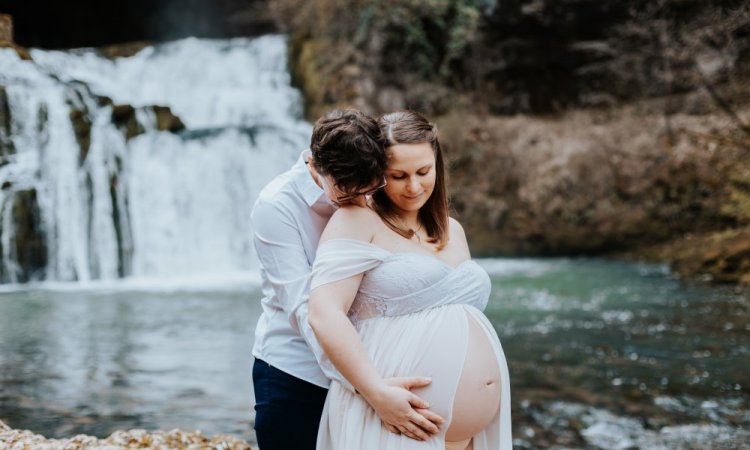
(413,233)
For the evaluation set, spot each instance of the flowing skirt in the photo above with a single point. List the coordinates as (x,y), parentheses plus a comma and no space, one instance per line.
(430,343)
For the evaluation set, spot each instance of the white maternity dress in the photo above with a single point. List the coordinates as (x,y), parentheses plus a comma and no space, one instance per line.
(411,313)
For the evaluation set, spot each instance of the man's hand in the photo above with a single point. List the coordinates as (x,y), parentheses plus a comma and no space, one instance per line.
(401,411)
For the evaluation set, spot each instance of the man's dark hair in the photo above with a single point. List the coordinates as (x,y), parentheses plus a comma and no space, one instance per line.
(346,145)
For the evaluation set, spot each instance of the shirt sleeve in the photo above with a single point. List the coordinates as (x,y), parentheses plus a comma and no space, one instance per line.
(279,246)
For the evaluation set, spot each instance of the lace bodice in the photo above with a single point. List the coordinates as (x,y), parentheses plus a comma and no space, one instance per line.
(398,283)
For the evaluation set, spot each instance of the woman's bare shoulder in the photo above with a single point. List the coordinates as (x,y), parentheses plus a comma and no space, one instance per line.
(456,229)
(351,222)
(457,235)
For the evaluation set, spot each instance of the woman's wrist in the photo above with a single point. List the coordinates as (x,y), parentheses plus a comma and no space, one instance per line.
(372,392)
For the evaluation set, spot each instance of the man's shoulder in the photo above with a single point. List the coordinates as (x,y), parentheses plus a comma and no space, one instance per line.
(276,197)
(280,186)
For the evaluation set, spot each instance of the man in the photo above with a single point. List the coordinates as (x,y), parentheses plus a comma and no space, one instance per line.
(346,162)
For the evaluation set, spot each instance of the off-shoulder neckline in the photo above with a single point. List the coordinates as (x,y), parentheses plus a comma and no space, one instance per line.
(390,253)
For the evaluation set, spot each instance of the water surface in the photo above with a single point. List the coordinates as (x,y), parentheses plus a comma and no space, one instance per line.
(602,355)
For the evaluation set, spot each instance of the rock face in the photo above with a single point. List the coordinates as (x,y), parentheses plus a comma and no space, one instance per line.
(6,145)
(6,28)
(529,56)
(6,36)
(591,182)
(719,257)
(633,113)
(29,243)
(121,440)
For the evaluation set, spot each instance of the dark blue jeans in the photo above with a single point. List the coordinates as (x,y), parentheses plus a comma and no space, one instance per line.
(287,409)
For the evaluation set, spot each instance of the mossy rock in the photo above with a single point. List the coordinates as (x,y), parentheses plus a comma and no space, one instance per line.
(718,257)
(723,257)
(307,75)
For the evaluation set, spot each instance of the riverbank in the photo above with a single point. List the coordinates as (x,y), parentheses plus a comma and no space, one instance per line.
(131,439)
(718,257)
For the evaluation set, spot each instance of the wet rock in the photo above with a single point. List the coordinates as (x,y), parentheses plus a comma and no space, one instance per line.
(28,245)
(120,219)
(6,144)
(122,440)
(166,120)
(123,50)
(720,257)
(123,116)
(81,122)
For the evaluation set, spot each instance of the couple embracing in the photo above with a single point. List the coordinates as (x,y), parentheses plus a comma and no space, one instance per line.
(372,335)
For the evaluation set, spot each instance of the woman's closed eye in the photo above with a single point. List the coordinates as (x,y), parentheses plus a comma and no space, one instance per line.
(402,176)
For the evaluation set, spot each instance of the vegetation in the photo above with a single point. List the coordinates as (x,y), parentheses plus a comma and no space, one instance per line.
(635,124)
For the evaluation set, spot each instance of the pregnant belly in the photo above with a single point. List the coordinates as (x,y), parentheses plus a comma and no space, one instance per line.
(478,395)
(468,393)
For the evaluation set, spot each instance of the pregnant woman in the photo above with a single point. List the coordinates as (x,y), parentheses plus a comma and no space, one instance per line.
(394,294)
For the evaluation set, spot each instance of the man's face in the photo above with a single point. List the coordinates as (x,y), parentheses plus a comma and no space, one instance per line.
(341,198)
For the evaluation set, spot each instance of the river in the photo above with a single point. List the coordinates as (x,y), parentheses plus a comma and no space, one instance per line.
(602,355)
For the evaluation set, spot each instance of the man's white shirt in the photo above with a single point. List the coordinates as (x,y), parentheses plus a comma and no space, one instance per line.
(288,218)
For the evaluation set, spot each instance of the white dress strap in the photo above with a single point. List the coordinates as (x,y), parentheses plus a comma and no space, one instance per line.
(338,259)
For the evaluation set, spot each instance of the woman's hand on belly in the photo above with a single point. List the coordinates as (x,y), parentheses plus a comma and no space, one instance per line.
(401,410)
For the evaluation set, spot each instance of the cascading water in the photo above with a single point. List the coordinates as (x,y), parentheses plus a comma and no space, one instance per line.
(144,166)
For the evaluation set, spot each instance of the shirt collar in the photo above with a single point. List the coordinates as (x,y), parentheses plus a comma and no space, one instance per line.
(308,188)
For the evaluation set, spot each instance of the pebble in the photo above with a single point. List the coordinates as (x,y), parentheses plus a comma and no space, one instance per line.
(176,439)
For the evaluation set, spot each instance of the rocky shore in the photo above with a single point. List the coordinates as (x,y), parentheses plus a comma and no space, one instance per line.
(11,439)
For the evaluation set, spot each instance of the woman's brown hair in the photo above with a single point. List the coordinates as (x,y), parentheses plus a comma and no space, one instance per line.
(409,127)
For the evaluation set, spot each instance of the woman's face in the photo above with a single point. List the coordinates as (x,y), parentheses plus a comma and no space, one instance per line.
(410,175)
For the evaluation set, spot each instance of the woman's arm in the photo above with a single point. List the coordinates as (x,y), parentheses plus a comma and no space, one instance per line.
(393,402)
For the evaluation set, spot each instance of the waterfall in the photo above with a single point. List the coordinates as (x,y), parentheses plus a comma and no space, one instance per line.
(144,166)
